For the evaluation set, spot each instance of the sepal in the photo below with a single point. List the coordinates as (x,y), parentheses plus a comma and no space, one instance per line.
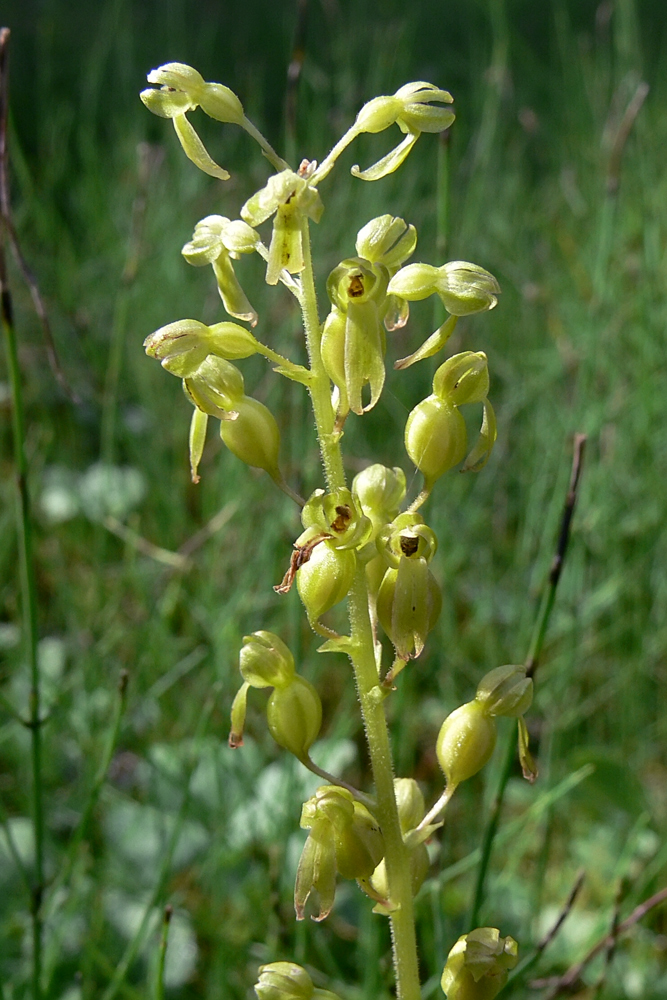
(265,660)
(386,240)
(215,387)
(431,345)
(197,440)
(195,150)
(506,691)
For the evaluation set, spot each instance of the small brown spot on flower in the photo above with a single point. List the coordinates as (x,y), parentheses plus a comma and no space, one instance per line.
(355,287)
(409,545)
(344,516)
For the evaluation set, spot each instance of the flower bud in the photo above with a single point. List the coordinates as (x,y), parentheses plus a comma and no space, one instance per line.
(325,579)
(284,981)
(465,742)
(380,491)
(265,660)
(505,691)
(466,288)
(294,714)
(419,114)
(215,387)
(216,235)
(477,966)
(180,347)
(409,802)
(253,436)
(386,240)
(463,378)
(435,437)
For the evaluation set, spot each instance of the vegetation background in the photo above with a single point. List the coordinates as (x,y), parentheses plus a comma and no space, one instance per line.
(542,184)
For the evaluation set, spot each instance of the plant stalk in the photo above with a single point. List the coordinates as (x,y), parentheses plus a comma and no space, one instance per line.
(365,670)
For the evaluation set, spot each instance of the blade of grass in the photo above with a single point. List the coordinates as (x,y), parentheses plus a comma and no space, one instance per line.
(536,644)
(27,566)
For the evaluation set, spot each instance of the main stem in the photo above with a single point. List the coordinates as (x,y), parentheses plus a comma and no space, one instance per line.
(371,697)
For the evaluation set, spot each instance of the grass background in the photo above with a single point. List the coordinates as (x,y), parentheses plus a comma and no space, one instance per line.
(103,200)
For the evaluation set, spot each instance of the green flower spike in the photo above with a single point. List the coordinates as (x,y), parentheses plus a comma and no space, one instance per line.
(288,981)
(344,837)
(415,109)
(410,803)
(217,241)
(183,89)
(477,966)
(409,599)
(294,709)
(435,432)
(353,339)
(291,198)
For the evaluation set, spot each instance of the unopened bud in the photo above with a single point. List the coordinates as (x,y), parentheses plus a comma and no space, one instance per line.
(463,378)
(409,802)
(215,387)
(506,691)
(284,981)
(465,742)
(477,966)
(466,288)
(381,492)
(265,660)
(386,240)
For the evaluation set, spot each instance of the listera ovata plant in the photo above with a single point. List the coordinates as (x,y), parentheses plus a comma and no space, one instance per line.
(358,545)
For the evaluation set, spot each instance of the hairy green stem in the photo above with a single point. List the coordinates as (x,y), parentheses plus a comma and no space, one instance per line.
(320,387)
(365,669)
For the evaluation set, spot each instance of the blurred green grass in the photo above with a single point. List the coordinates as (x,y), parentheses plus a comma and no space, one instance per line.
(577,343)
